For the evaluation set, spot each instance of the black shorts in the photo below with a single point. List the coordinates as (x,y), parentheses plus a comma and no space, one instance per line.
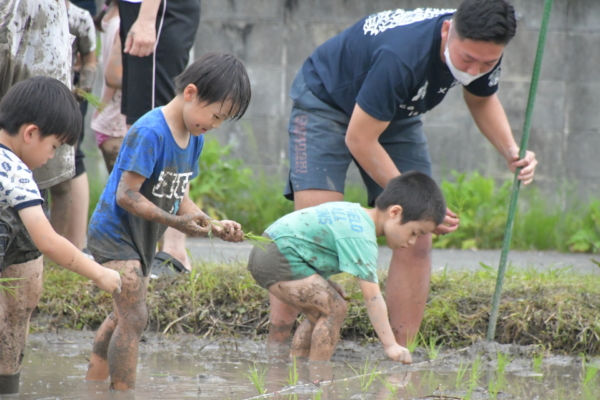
(16,246)
(148,81)
(79,155)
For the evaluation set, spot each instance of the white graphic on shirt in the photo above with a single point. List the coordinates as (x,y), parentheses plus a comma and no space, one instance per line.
(171,185)
(385,20)
(421,93)
(494,77)
(442,90)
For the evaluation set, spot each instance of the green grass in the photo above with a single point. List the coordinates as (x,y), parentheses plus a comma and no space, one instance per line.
(555,309)
(256,375)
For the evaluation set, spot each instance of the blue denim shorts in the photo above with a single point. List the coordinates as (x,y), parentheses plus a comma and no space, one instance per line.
(319,157)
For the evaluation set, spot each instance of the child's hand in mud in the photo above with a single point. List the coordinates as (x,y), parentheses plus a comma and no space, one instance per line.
(338,288)
(229,231)
(194,225)
(109,280)
(396,352)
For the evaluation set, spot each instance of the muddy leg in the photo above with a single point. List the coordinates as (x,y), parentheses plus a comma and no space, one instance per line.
(302,339)
(98,366)
(15,312)
(324,308)
(132,318)
(282,319)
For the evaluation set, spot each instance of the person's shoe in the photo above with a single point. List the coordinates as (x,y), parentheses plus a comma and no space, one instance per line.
(165,264)
(9,384)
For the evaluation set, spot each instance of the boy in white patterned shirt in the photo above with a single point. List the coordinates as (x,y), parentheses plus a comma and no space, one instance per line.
(37,115)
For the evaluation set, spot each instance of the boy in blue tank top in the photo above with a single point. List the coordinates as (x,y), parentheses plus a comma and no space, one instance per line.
(147,192)
(312,244)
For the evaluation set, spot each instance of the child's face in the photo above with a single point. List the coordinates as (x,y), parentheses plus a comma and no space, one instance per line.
(200,117)
(400,236)
(39,149)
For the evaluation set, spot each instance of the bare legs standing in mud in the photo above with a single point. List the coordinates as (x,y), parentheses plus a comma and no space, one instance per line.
(17,302)
(116,344)
(325,310)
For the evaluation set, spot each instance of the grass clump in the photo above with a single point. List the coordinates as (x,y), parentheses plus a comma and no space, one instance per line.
(555,309)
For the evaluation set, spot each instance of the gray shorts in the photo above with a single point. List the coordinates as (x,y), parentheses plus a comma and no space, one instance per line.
(16,246)
(268,266)
(319,157)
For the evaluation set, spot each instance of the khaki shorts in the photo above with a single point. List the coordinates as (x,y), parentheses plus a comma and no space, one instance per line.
(268,265)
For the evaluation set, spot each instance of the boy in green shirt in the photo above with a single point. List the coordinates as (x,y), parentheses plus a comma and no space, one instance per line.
(312,244)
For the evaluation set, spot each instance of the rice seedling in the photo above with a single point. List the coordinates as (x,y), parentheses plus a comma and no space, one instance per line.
(503,360)
(319,394)
(537,361)
(257,241)
(292,373)
(91,98)
(389,385)
(460,375)
(8,289)
(257,377)
(494,387)
(432,348)
(366,374)
(589,372)
(476,372)
(412,342)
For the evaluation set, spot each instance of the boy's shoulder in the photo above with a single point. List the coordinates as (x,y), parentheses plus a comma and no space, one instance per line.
(17,186)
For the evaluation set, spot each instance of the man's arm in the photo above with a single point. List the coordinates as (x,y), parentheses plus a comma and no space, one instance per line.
(491,120)
(362,139)
(377,310)
(62,252)
(141,38)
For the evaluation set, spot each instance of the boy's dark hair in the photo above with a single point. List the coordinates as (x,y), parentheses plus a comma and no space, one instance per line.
(45,102)
(218,77)
(486,21)
(420,197)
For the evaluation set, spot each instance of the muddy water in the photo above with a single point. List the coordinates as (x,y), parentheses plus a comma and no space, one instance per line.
(187,367)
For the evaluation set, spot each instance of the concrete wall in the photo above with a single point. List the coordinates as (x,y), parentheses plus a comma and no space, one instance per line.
(274,37)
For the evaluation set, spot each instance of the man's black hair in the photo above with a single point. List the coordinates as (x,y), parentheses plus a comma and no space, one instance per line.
(45,102)
(218,77)
(420,197)
(486,21)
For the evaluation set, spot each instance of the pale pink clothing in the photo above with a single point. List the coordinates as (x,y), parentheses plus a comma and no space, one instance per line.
(110,122)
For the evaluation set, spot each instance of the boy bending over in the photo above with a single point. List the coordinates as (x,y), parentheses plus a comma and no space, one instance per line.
(312,244)
(37,115)
(147,191)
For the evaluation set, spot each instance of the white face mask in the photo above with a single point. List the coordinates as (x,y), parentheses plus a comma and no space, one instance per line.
(463,77)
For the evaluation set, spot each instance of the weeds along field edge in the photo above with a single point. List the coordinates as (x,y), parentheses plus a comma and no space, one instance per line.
(555,309)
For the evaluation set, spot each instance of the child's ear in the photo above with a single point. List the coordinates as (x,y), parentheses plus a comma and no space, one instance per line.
(29,131)
(190,92)
(395,211)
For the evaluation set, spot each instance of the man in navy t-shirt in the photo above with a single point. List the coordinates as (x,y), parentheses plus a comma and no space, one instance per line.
(359,97)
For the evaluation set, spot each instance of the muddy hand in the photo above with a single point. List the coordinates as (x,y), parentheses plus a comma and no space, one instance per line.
(194,225)
(398,353)
(229,231)
(109,281)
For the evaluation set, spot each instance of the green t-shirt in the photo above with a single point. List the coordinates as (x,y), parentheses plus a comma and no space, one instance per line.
(328,239)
